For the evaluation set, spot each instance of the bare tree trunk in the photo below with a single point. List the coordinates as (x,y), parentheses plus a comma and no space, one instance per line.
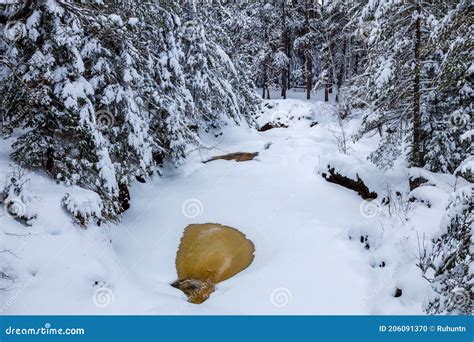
(327,83)
(49,166)
(356,63)
(265,78)
(265,65)
(416,152)
(288,77)
(283,84)
(309,76)
(330,83)
(284,72)
(308,54)
(342,70)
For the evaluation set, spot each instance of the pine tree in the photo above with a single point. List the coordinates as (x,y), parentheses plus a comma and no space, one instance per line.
(205,69)
(394,80)
(165,96)
(341,46)
(454,80)
(451,258)
(269,60)
(228,26)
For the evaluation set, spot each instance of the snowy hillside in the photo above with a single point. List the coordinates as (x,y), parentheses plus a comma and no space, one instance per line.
(307,232)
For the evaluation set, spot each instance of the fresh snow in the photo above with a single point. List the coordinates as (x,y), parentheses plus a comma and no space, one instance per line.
(309,256)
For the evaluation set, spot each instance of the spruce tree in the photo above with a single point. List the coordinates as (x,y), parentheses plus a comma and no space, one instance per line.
(397,31)
(451,257)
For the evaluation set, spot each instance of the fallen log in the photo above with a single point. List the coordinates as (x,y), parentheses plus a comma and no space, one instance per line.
(272,125)
(357,185)
(416,182)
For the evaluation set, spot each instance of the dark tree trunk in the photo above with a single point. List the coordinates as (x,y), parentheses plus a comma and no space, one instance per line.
(308,54)
(49,160)
(309,77)
(330,84)
(342,70)
(416,153)
(124,197)
(356,63)
(326,83)
(285,43)
(283,84)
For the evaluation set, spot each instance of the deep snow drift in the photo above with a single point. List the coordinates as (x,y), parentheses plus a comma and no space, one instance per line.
(320,249)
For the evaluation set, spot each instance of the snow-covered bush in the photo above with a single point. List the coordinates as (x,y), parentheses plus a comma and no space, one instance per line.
(17,200)
(451,260)
(84,205)
(466,169)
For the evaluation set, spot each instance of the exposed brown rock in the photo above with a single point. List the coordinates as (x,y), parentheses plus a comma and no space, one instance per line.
(237,156)
(208,254)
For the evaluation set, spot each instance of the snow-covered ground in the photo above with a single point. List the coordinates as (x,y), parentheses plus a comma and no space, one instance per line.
(320,249)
